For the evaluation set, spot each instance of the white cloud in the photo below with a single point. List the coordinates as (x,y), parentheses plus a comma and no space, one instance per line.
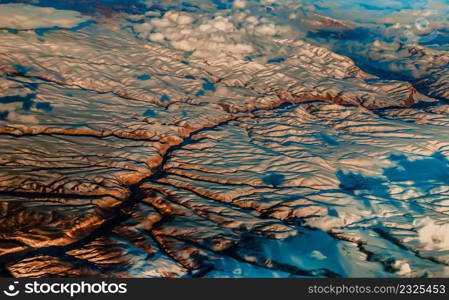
(179,18)
(202,35)
(318,255)
(433,236)
(156,37)
(268,29)
(402,268)
(143,30)
(22,118)
(239,4)
(21,16)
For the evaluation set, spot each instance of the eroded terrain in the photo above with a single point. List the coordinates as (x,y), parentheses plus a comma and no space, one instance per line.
(218,140)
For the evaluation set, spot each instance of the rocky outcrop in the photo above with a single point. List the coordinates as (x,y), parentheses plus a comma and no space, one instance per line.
(122,157)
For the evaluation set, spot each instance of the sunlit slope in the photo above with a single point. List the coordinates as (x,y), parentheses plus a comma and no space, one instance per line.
(241,139)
